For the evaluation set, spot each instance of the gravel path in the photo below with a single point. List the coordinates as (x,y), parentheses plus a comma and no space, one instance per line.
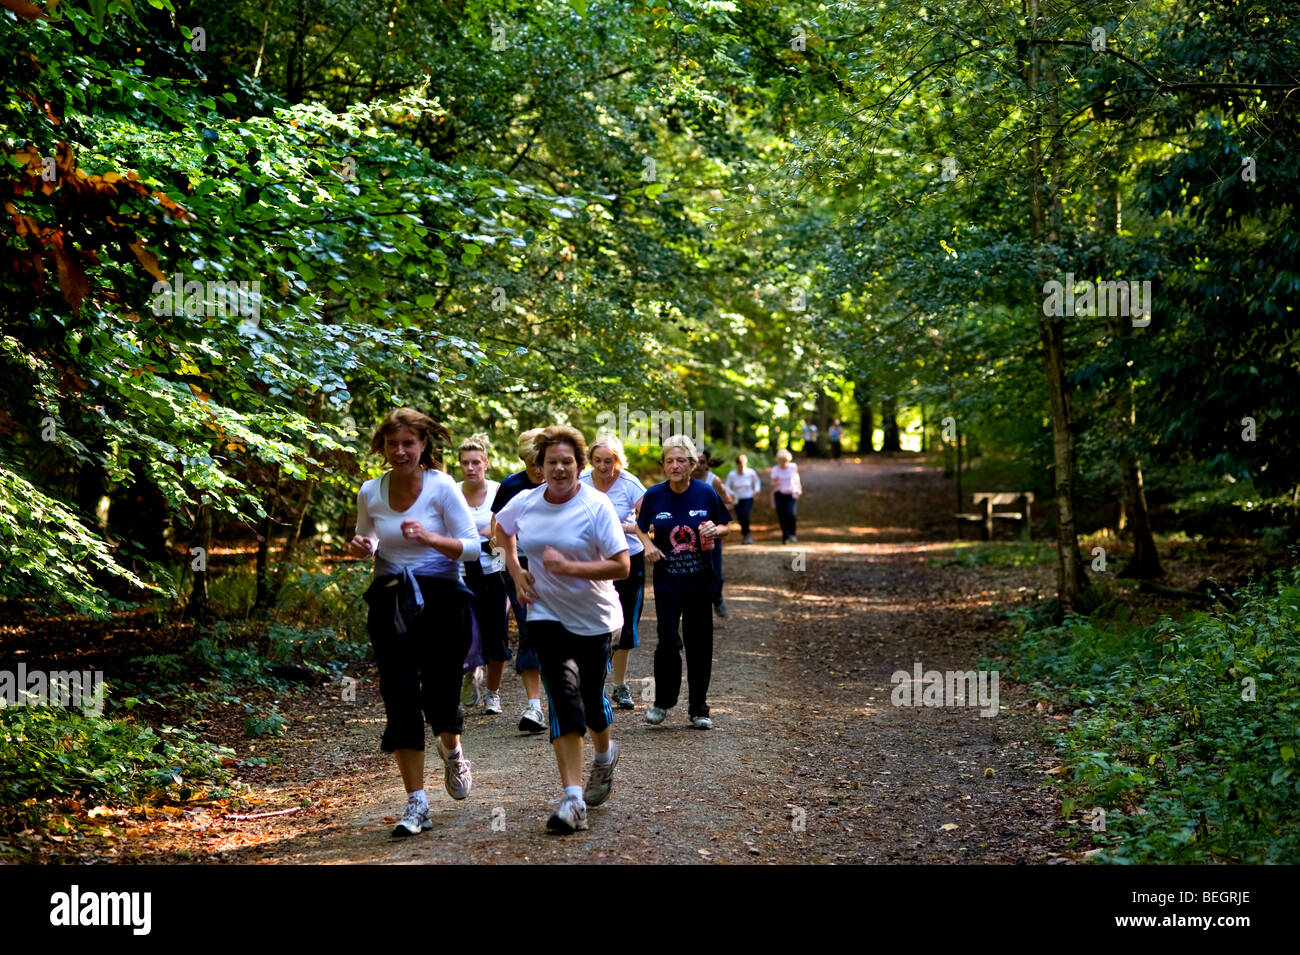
(808,763)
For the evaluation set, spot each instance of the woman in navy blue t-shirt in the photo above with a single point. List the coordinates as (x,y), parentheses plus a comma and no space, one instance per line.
(687,518)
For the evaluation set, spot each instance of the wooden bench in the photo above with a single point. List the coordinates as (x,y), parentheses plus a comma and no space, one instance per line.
(985,503)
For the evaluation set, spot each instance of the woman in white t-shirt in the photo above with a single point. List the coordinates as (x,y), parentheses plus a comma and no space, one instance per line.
(415,524)
(786,490)
(625,492)
(486,578)
(743,483)
(576,548)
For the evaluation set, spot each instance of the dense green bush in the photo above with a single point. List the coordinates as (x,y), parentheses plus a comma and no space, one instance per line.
(1186,731)
(51,751)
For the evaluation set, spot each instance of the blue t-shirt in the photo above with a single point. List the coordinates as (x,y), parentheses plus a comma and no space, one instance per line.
(516,483)
(676,519)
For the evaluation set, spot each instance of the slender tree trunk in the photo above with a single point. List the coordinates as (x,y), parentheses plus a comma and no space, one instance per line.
(1044,228)
(961,498)
(261,43)
(315,412)
(199,554)
(1146,559)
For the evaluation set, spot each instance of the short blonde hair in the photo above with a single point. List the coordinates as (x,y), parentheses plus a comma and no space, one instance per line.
(606,440)
(784,456)
(527,449)
(684,442)
(559,434)
(475,442)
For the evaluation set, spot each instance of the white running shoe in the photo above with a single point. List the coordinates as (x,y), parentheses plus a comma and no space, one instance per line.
(655,715)
(457,778)
(569,816)
(414,820)
(532,720)
(702,722)
(601,780)
(491,702)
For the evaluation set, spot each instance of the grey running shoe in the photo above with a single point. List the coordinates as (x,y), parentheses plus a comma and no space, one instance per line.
(491,702)
(702,722)
(569,816)
(793,539)
(456,778)
(655,715)
(601,780)
(532,720)
(415,819)
(622,697)
(721,606)
(749,539)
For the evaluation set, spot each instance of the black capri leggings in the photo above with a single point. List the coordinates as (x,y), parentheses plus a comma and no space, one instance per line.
(490,589)
(420,670)
(573,671)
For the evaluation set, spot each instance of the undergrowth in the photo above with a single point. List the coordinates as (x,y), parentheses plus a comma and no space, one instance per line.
(1185,731)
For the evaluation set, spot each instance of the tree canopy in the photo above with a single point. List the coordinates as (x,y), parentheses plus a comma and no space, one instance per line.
(235,234)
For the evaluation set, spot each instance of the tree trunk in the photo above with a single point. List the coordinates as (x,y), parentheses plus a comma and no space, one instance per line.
(261,44)
(862,397)
(1146,559)
(1044,229)
(295,531)
(827,411)
(889,425)
(199,554)
(263,600)
(957,470)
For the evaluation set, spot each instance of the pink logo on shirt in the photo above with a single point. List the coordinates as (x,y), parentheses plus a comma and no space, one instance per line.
(682,538)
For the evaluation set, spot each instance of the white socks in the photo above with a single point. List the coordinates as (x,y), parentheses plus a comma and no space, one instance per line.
(575,792)
(418,797)
(535,702)
(603,759)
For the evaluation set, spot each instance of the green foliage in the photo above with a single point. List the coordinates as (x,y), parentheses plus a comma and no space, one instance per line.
(1186,731)
(321,651)
(330,596)
(44,542)
(49,751)
(266,723)
(995,554)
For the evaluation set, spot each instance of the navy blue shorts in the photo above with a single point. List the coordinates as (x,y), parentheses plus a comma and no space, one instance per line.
(631,594)
(573,671)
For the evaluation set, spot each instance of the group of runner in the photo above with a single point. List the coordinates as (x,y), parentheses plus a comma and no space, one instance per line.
(564,547)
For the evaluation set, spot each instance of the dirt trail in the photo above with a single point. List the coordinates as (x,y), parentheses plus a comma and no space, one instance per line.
(809,761)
